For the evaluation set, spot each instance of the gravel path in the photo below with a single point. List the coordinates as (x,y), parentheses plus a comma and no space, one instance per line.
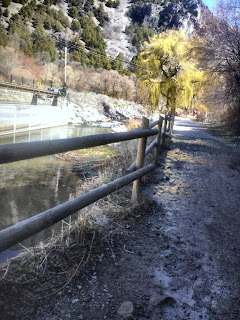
(200,268)
(177,259)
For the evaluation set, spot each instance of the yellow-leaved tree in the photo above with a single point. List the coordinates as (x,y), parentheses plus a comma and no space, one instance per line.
(168,68)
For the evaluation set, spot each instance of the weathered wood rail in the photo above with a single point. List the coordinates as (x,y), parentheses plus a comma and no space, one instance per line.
(15,152)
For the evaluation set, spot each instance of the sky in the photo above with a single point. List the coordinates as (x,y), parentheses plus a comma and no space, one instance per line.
(210,3)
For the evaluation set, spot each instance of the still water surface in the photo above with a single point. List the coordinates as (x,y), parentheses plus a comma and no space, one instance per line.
(31,186)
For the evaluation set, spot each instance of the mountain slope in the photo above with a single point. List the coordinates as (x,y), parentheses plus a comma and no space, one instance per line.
(114,31)
(85,24)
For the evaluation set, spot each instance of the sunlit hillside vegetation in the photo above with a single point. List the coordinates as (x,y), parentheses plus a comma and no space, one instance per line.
(45,27)
(174,70)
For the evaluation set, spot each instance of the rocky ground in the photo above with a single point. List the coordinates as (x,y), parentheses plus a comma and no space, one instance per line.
(114,32)
(92,107)
(177,257)
(78,107)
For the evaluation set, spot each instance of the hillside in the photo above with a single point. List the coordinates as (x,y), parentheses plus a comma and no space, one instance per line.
(97,33)
(103,41)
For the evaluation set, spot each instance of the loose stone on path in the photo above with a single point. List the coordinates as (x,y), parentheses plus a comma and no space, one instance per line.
(126,309)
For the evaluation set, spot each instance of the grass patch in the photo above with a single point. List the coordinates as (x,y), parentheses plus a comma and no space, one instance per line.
(90,154)
(101,152)
(223,133)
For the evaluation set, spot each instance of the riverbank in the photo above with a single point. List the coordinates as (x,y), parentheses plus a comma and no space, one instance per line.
(18,115)
(92,107)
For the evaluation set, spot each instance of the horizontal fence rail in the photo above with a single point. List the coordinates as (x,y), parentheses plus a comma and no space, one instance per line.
(27,228)
(147,151)
(21,151)
(29,150)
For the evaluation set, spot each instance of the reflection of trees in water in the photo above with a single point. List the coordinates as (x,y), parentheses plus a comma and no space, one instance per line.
(34,192)
(55,182)
(32,186)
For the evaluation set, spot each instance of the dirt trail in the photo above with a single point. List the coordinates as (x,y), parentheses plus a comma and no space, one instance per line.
(201,200)
(178,259)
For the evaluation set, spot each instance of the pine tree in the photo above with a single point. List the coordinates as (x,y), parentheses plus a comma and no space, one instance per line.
(3,36)
(41,43)
(6,3)
(6,13)
(75,26)
(79,53)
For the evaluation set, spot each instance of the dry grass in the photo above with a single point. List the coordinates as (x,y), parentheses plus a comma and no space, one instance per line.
(81,238)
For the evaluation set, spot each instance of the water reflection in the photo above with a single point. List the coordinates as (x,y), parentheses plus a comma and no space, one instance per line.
(29,187)
(62,132)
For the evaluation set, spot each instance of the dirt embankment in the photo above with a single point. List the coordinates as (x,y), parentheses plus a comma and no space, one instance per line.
(175,257)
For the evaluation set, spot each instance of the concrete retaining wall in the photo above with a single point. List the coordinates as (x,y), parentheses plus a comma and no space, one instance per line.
(17,114)
(14,96)
(17,118)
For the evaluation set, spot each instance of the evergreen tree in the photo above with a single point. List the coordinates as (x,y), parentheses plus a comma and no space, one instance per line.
(75,26)
(41,43)
(26,11)
(63,19)
(6,3)
(79,53)
(100,14)
(117,63)
(48,23)
(92,35)
(3,36)
(6,13)
(73,12)
(17,26)
(57,26)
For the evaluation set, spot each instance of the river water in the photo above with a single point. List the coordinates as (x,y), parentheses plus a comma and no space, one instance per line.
(32,186)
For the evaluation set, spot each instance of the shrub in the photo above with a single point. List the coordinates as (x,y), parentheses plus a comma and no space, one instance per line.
(75,26)
(6,13)
(63,19)
(3,36)
(41,43)
(6,3)
(57,26)
(73,12)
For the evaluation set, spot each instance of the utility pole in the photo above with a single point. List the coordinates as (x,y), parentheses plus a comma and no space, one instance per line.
(65,73)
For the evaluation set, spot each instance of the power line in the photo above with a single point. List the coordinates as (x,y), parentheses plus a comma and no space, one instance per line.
(95,52)
(100,54)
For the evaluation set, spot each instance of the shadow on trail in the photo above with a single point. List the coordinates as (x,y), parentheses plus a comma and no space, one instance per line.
(192,148)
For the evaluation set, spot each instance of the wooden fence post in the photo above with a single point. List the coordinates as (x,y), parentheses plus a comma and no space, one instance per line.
(140,160)
(172,124)
(164,132)
(169,124)
(158,140)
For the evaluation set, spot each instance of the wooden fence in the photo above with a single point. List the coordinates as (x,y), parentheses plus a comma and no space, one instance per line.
(15,152)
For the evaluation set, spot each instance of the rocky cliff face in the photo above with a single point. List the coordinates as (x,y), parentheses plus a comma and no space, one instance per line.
(173,15)
(84,25)
(114,32)
(162,16)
